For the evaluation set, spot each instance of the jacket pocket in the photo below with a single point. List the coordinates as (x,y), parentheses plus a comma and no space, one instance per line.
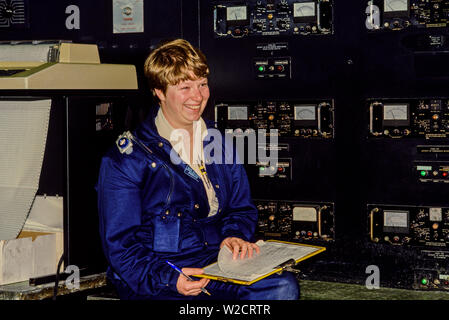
(166,233)
(211,234)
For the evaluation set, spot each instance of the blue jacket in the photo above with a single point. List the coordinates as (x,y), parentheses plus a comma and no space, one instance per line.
(152,210)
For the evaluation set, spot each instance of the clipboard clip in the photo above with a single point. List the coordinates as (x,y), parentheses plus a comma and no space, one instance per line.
(288,266)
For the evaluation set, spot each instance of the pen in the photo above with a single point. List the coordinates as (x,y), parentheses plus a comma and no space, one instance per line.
(190,279)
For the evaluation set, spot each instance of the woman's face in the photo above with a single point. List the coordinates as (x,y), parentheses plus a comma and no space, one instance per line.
(184,103)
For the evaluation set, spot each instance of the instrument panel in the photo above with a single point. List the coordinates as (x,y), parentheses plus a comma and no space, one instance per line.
(406,14)
(272,18)
(409,225)
(303,119)
(295,221)
(409,118)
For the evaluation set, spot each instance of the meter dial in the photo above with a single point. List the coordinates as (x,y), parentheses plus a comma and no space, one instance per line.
(303,9)
(238,113)
(305,113)
(236,13)
(395,5)
(396,112)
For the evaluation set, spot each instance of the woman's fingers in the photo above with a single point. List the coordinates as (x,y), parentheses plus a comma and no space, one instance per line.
(191,288)
(240,247)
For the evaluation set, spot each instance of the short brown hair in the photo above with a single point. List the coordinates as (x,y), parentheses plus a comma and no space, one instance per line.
(172,62)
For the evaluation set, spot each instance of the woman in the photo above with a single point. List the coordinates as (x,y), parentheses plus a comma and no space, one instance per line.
(164,199)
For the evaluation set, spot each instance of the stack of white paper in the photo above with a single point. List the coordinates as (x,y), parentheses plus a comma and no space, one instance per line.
(23,135)
(271,255)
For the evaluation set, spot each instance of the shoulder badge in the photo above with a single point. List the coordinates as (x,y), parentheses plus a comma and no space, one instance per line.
(124,142)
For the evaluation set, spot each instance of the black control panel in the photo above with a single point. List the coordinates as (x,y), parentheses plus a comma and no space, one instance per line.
(409,225)
(416,118)
(386,145)
(272,18)
(404,14)
(302,119)
(295,221)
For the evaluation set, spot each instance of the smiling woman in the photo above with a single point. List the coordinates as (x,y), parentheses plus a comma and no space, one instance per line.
(182,104)
(154,210)
(177,73)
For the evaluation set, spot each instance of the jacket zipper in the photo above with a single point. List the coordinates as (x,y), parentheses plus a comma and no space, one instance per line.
(171,183)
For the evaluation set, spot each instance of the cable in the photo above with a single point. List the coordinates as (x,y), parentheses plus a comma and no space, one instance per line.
(55,289)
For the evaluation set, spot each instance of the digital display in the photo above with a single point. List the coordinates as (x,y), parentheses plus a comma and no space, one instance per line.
(396,219)
(395,5)
(395,112)
(303,112)
(303,9)
(304,214)
(236,13)
(238,113)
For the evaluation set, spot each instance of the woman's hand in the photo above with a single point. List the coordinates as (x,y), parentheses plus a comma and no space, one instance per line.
(191,288)
(237,245)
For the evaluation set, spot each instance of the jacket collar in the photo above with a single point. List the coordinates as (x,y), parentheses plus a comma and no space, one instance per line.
(147,131)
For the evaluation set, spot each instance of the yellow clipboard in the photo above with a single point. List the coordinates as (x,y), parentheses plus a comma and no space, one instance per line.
(279,268)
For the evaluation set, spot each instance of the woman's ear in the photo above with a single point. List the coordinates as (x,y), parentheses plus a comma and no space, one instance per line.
(159,94)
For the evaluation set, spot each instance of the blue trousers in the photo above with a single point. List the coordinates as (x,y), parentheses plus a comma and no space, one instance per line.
(275,287)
